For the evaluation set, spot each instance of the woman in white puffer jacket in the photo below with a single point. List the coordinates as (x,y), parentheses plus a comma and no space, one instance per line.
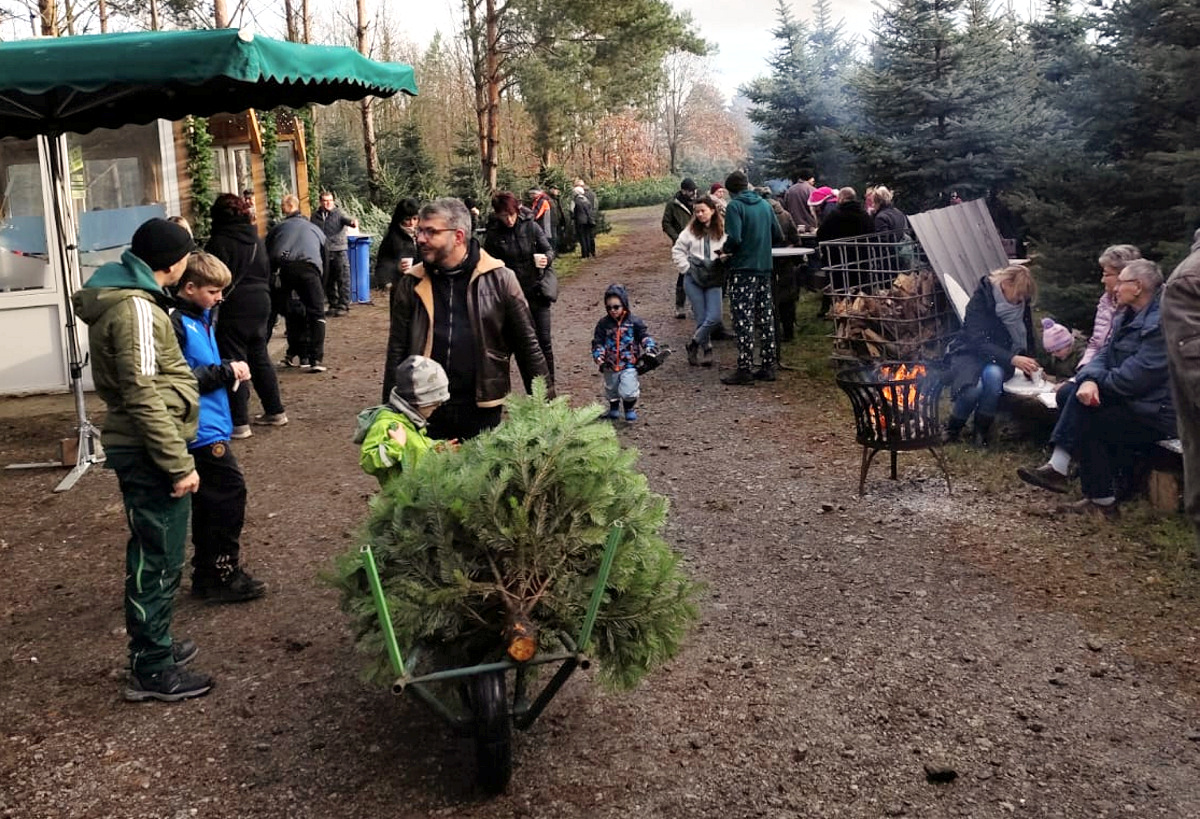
(701,242)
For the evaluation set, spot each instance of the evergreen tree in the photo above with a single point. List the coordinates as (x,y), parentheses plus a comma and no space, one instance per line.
(799,106)
(409,170)
(915,97)
(512,526)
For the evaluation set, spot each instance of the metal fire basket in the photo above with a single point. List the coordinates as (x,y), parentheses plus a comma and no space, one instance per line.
(895,409)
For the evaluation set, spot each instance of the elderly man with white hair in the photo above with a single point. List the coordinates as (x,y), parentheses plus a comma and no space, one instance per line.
(1122,399)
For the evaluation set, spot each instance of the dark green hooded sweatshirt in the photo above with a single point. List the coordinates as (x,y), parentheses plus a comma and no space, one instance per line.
(152,397)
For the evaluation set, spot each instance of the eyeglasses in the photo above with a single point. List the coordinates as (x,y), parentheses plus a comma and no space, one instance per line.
(432,231)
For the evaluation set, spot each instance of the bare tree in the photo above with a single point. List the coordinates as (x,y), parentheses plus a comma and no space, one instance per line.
(220,14)
(48,11)
(289,20)
(681,71)
(487,64)
(368,116)
(103,8)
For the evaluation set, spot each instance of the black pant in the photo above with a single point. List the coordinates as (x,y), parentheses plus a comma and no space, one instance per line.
(587,240)
(242,336)
(337,279)
(304,279)
(462,421)
(218,513)
(680,295)
(540,310)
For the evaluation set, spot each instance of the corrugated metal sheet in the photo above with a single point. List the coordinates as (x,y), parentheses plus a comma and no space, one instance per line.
(962,245)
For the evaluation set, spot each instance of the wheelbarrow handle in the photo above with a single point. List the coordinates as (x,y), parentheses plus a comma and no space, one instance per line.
(385,618)
(610,550)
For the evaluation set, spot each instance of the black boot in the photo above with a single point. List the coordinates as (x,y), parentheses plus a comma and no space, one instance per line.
(953,431)
(983,430)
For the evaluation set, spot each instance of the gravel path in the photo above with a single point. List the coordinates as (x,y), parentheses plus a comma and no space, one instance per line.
(904,654)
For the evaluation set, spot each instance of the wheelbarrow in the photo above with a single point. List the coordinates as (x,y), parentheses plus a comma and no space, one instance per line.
(486,713)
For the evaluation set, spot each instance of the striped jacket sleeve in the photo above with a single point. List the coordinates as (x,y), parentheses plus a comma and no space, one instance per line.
(144,342)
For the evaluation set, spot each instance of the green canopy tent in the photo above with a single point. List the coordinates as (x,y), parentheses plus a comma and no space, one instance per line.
(54,86)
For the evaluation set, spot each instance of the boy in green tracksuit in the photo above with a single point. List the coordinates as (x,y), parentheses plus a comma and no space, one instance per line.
(394,434)
(153,406)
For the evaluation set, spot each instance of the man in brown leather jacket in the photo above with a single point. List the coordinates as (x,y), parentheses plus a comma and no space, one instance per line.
(465,310)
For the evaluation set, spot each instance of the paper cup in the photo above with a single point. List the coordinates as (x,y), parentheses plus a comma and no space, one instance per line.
(540,259)
(406,264)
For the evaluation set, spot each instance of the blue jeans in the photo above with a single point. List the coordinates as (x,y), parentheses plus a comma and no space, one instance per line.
(983,398)
(706,307)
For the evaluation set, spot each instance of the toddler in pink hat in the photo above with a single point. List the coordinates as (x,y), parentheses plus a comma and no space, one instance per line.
(1056,339)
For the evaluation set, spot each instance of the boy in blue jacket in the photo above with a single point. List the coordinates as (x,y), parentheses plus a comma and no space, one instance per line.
(621,340)
(219,505)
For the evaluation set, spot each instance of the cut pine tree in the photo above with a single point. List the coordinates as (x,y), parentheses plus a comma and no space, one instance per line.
(511,527)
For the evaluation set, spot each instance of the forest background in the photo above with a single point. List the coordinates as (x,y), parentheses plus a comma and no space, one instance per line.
(1079,123)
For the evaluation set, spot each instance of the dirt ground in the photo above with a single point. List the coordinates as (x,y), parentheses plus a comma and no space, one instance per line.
(848,646)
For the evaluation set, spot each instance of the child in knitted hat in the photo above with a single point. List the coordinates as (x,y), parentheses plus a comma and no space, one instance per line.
(1062,346)
(394,434)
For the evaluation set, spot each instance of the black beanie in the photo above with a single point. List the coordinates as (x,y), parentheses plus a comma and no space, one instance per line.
(160,243)
(736,182)
(687,184)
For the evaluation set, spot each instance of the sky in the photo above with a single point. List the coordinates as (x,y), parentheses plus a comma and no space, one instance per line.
(741,29)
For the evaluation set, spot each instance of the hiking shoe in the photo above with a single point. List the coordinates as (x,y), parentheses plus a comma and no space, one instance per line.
(693,353)
(680,313)
(707,357)
(1046,477)
(290,361)
(631,414)
(1088,507)
(316,367)
(738,378)
(271,419)
(238,588)
(766,373)
(241,431)
(169,685)
(184,651)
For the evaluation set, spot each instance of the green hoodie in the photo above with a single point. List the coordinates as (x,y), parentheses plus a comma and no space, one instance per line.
(750,229)
(152,397)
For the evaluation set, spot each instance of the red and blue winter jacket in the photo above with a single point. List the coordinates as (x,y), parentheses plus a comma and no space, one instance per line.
(618,343)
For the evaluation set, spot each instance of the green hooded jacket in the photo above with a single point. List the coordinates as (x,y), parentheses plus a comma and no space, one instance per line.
(750,230)
(152,397)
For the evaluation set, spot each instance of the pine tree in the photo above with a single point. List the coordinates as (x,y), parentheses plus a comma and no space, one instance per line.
(913,99)
(800,105)
(515,522)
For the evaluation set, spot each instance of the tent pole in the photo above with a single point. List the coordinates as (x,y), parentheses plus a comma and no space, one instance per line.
(89,450)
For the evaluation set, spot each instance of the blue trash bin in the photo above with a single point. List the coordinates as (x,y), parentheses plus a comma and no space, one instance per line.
(360,269)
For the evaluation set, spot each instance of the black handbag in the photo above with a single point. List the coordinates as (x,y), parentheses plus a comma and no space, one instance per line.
(547,285)
(707,272)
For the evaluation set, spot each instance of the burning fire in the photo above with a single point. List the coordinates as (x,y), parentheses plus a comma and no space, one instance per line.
(902,397)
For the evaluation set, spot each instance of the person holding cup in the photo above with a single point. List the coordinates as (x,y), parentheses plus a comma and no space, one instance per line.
(513,237)
(398,250)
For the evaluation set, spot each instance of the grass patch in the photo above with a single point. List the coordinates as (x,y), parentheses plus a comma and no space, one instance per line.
(568,265)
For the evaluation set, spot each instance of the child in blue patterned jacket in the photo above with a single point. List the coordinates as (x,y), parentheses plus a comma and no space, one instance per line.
(621,340)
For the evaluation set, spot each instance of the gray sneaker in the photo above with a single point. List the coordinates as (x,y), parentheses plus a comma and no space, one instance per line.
(172,684)
(316,367)
(271,419)
(241,431)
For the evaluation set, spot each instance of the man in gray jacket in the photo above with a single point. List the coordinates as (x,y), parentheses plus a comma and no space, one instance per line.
(333,224)
(294,247)
(1180,316)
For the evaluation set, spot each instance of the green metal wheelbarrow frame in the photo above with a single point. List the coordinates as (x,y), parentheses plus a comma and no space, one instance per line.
(523,712)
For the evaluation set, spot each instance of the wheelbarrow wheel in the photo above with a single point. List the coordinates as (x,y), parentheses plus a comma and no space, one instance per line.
(493,732)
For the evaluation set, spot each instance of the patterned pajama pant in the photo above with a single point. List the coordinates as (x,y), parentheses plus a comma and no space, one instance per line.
(753,317)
